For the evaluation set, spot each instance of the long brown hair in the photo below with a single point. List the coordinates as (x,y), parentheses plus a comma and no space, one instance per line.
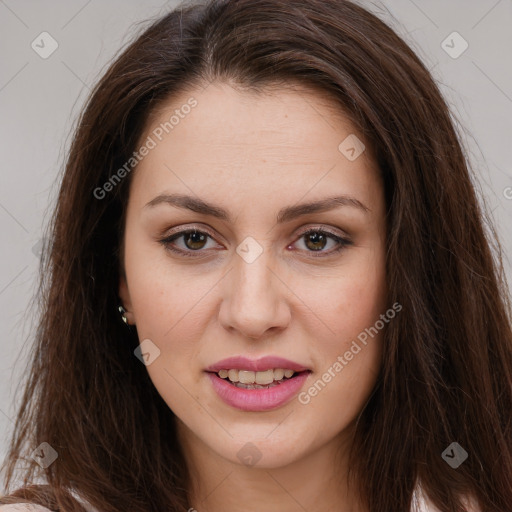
(447,367)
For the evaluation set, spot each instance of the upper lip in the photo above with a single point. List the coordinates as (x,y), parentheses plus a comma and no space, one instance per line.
(256,365)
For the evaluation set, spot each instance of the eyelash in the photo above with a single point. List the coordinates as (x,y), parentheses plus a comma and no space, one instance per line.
(342,242)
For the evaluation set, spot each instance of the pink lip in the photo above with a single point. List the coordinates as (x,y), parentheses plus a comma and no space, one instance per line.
(256,365)
(258,399)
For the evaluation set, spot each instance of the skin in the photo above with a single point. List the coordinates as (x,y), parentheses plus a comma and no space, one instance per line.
(254,154)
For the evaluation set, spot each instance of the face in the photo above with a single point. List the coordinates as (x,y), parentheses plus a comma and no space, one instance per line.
(228,272)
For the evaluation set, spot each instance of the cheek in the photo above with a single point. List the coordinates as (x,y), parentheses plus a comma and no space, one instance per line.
(350,359)
(349,352)
(168,301)
(338,396)
(171,310)
(347,302)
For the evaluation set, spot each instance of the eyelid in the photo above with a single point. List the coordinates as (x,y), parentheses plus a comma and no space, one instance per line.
(326,229)
(299,231)
(181,230)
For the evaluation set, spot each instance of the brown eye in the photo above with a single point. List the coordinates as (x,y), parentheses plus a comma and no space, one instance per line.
(194,240)
(316,240)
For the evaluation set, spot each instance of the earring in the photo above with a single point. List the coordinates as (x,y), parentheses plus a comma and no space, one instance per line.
(123,314)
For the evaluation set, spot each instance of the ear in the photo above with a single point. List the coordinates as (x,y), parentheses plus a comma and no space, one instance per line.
(124,295)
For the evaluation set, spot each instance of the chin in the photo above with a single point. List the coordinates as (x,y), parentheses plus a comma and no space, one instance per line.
(263,451)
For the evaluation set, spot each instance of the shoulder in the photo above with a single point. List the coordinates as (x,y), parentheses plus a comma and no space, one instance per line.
(421,503)
(23,507)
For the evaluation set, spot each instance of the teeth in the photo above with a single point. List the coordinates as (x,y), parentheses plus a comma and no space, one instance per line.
(255,386)
(278,374)
(246,377)
(233,375)
(264,377)
(259,378)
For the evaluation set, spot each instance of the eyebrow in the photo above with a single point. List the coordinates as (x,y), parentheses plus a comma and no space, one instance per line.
(285,214)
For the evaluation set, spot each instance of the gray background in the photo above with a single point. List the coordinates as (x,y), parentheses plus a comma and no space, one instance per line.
(40,99)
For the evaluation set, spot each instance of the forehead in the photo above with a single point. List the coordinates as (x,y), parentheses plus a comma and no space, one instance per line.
(269,140)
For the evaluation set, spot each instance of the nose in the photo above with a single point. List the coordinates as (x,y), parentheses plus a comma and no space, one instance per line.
(254,304)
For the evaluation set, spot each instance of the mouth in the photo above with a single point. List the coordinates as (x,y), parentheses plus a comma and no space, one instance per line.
(247,379)
(257,385)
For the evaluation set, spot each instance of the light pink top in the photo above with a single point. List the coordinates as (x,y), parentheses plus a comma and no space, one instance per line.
(420,504)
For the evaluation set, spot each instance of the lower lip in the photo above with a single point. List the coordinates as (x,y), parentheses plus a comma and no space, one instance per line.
(263,399)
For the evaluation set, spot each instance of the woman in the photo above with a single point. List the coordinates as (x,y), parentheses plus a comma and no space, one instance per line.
(268,282)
